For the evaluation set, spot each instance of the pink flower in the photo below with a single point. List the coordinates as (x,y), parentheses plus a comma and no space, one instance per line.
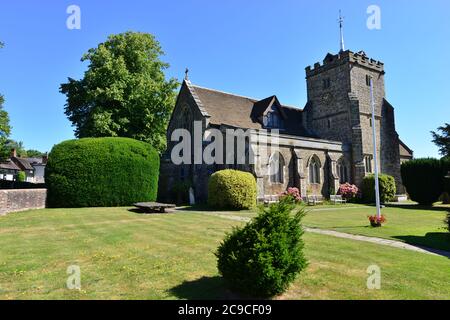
(348,191)
(292,192)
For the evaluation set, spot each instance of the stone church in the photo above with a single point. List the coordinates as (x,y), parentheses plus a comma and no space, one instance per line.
(325,144)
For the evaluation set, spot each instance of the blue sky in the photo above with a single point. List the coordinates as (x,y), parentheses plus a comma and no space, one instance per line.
(255,48)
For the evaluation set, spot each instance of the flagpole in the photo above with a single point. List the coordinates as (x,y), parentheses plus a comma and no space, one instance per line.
(375,158)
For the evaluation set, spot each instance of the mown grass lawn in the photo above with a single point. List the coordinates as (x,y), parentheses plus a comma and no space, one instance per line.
(125,255)
(408,223)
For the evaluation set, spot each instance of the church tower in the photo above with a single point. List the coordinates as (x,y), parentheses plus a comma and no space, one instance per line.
(339,108)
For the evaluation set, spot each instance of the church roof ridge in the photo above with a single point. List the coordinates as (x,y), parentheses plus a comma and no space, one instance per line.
(245,97)
(228,93)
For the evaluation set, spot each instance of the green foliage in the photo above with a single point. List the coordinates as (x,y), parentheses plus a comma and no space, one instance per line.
(101,172)
(442,140)
(423,179)
(31,153)
(20,149)
(232,189)
(264,257)
(124,91)
(386,185)
(21,176)
(445,163)
(18,145)
(5,130)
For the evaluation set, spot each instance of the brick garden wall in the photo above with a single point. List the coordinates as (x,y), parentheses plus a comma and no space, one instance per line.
(21,199)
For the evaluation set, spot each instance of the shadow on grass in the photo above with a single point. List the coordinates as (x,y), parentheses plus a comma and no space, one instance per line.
(135,210)
(205,288)
(414,206)
(436,242)
(206,208)
(146,212)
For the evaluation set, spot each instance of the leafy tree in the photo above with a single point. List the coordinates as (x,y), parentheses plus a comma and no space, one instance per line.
(5,128)
(18,145)
(124,92)
(443,140)
(31,153)
(11,144)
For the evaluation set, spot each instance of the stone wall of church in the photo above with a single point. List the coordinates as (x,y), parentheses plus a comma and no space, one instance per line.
(296,173)
(341,110)
(390,152)
(328,114)
(175,180)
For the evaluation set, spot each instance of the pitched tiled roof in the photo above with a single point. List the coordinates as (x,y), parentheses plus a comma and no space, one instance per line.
(241,112)
(9,165)
(405,150)
(35,161)
(22,163)
(260,107)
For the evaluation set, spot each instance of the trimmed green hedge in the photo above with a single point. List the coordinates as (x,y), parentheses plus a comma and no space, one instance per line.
(265,256)
(423,179)
(232,189)
(445,163)
(101,172)
(386,185)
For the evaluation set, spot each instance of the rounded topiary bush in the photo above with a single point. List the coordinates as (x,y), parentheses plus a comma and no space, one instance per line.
(264,257)
(101,172)
(386,185)
(423,179)
(232,189)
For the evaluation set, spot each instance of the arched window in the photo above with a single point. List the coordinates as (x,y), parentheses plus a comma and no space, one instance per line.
(276,168)
(314,170)
(186,119)
(342,171)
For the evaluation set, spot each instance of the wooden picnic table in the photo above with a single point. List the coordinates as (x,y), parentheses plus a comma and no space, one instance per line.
(152,207)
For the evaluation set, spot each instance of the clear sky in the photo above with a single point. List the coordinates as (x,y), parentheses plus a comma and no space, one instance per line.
(254,47)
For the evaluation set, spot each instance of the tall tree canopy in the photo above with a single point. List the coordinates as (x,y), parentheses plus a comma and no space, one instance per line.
(443,140)
(124,92)
(5,128)
(18,146)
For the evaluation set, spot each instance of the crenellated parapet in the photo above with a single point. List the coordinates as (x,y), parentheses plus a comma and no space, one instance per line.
(333,60)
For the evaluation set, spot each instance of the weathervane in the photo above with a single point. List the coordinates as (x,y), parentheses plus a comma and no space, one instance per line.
(341,30)
(186,74)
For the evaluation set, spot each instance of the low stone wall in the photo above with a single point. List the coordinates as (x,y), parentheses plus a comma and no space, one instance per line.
(22,199)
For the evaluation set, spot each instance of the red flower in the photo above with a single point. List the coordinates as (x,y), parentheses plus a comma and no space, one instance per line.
(375,219)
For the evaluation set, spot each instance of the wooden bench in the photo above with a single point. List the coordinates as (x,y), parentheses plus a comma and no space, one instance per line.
(314,200)
(335,199)
(271,199)
(152,207)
